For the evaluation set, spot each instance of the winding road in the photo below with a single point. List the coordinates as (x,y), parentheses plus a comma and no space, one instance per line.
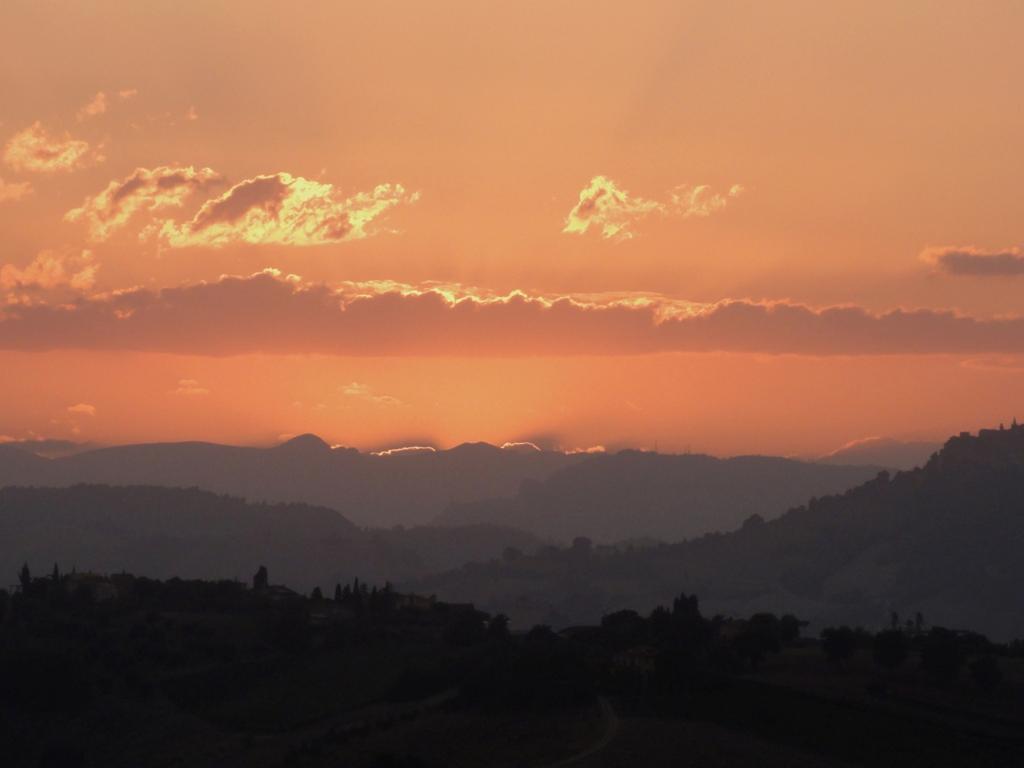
(611,728)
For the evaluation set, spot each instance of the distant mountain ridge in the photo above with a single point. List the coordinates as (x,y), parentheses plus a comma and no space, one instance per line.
(402,488)
(945,540)
(884,452)
(638,494)
(552,494)
(167,532)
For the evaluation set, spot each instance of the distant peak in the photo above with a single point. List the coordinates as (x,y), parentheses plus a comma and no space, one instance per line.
(306,442)
(479,447)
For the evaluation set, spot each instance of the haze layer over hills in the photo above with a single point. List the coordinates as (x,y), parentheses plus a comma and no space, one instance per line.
(638,495)
(945,540)
(168,532)
(609,497)
(402,488)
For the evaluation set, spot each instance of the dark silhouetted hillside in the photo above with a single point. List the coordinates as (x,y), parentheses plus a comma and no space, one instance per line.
(945,540)
(406,489)
(634,494)
(164,532)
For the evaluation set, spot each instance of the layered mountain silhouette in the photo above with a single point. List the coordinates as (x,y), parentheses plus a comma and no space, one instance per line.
(638,494)
(944,540)
(402,488)
(167,532)
(884,452)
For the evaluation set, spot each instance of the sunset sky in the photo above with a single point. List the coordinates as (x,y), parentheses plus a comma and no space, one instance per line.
(731,227)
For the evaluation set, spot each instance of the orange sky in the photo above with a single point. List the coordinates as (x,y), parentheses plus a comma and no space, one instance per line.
(577,222)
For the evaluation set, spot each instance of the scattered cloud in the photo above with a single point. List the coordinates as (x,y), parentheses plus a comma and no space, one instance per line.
(975,262)
(145,189)
(95,107)
(603,205)
(364,392)
(127,93)
(286,210)
(35,150)
(190,388)
(522,446)
(405,450)
(82,409)
(698,200)
(49,271)
(14,190)
(191,114)
(590,449)
(613,211)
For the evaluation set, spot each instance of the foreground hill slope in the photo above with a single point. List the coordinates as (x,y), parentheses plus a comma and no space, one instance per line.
(636,494)
(166,532)
(945,540)
(403,488)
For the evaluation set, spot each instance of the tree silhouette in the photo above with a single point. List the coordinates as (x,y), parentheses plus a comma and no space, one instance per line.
(838,644)
(55,576)
(25,578)
(337,593)
(497,627)
(789,629)
(986,673)
(890,649)
(317,594)
(261,580)
(941,655)
(759,637)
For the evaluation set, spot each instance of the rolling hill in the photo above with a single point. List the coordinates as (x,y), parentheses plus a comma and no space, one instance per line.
(637,495)
(944,539)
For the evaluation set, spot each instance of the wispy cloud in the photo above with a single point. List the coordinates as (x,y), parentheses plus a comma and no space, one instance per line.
(37,151)
(146,189)
(190,388)
(71,271)
(14,190)
(96,106)
(614,212)
(365,392)
(82,409)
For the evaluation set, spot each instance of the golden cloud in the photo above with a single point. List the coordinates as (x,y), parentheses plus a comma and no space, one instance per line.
(47,272)
(145,189)
(613,211)
(285,210)
(33,149)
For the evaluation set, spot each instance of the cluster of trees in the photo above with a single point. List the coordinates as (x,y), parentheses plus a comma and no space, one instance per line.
(942,653)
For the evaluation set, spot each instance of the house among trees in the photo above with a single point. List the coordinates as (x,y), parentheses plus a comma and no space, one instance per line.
(415,602)
(274,592)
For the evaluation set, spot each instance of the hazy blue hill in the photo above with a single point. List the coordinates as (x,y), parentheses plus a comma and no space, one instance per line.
(883,452)
(945,539)
(636,494)
(408,489)
(164,532)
